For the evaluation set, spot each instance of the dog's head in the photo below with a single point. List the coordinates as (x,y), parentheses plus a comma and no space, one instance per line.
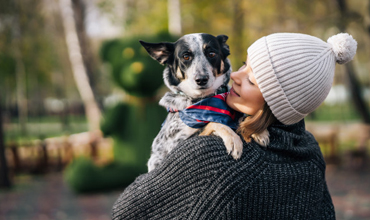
(197,64)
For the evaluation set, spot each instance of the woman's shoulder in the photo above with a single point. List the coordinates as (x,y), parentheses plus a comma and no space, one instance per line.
(209,152)
(204,146)
(211,145)
(292,144)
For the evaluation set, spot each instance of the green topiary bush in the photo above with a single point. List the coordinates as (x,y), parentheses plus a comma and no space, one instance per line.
(83,176)
(133,129)
(132,68)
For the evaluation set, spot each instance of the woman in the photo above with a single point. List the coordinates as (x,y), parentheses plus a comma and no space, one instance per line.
(286,76)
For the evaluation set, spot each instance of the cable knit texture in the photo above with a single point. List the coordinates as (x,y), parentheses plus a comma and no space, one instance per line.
(198,180)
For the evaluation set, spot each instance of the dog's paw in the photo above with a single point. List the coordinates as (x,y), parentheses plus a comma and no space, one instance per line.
(262,138)
(232,141)
(234,145)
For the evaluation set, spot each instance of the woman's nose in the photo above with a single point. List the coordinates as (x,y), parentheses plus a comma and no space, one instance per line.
(234,77)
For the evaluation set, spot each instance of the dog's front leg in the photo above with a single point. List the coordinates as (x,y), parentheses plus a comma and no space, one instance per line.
(232,141)
(262,138)
(154,161)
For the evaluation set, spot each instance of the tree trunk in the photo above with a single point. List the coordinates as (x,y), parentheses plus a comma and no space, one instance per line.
(353,82)
(20,74)
(89,59)
(92,110)
(4,174)
(368,26)
(237,31)
(174,17)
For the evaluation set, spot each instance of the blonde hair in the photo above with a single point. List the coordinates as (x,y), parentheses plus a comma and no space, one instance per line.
(255,124)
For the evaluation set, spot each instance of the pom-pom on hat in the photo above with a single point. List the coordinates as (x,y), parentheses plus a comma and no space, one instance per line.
(295,71)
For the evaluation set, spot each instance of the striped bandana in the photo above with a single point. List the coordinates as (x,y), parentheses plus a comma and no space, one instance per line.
(212,109)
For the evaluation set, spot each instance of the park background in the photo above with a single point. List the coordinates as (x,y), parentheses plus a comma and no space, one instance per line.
(78,95)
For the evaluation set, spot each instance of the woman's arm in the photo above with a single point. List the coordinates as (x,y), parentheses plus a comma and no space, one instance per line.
(170,190)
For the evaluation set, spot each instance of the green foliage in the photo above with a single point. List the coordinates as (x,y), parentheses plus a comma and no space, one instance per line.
(7,65)
(133,129)
(132,68)
(26,50)
(339,112)
(7,70)
(112,116)
(83,176)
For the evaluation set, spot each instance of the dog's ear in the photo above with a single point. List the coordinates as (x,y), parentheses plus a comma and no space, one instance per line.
(222,38)
(224,47)
(159,51)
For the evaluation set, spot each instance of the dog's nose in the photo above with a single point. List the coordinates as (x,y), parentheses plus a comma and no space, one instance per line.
(201,80)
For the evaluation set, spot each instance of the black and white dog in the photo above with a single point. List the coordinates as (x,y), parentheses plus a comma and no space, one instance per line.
(196,67)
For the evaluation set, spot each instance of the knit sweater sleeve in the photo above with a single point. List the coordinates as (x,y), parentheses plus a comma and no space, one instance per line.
(177,187)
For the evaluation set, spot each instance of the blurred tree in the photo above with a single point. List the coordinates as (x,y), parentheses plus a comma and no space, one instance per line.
(174,17)
(4,176)
(22,39)
(20,73)
(92,110)
(368,11)
(354,85)
(90,61)
(238,31)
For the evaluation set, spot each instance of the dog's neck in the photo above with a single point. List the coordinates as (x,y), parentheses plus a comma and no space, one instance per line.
(176,101)
(179,100)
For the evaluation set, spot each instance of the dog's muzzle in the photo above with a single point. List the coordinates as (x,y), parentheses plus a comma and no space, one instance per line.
(201,80)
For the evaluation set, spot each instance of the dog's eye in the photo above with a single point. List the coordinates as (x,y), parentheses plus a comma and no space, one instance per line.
(211,54)
(186,56)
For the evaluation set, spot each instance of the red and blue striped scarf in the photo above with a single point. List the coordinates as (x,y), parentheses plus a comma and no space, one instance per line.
(212,109)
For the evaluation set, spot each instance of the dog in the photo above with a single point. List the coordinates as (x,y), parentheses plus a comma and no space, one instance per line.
(196,67)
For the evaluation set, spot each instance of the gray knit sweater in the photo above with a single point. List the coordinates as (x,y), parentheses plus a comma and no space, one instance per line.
(198,180)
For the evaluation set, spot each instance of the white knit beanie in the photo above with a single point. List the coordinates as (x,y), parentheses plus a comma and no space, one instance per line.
(295,71)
